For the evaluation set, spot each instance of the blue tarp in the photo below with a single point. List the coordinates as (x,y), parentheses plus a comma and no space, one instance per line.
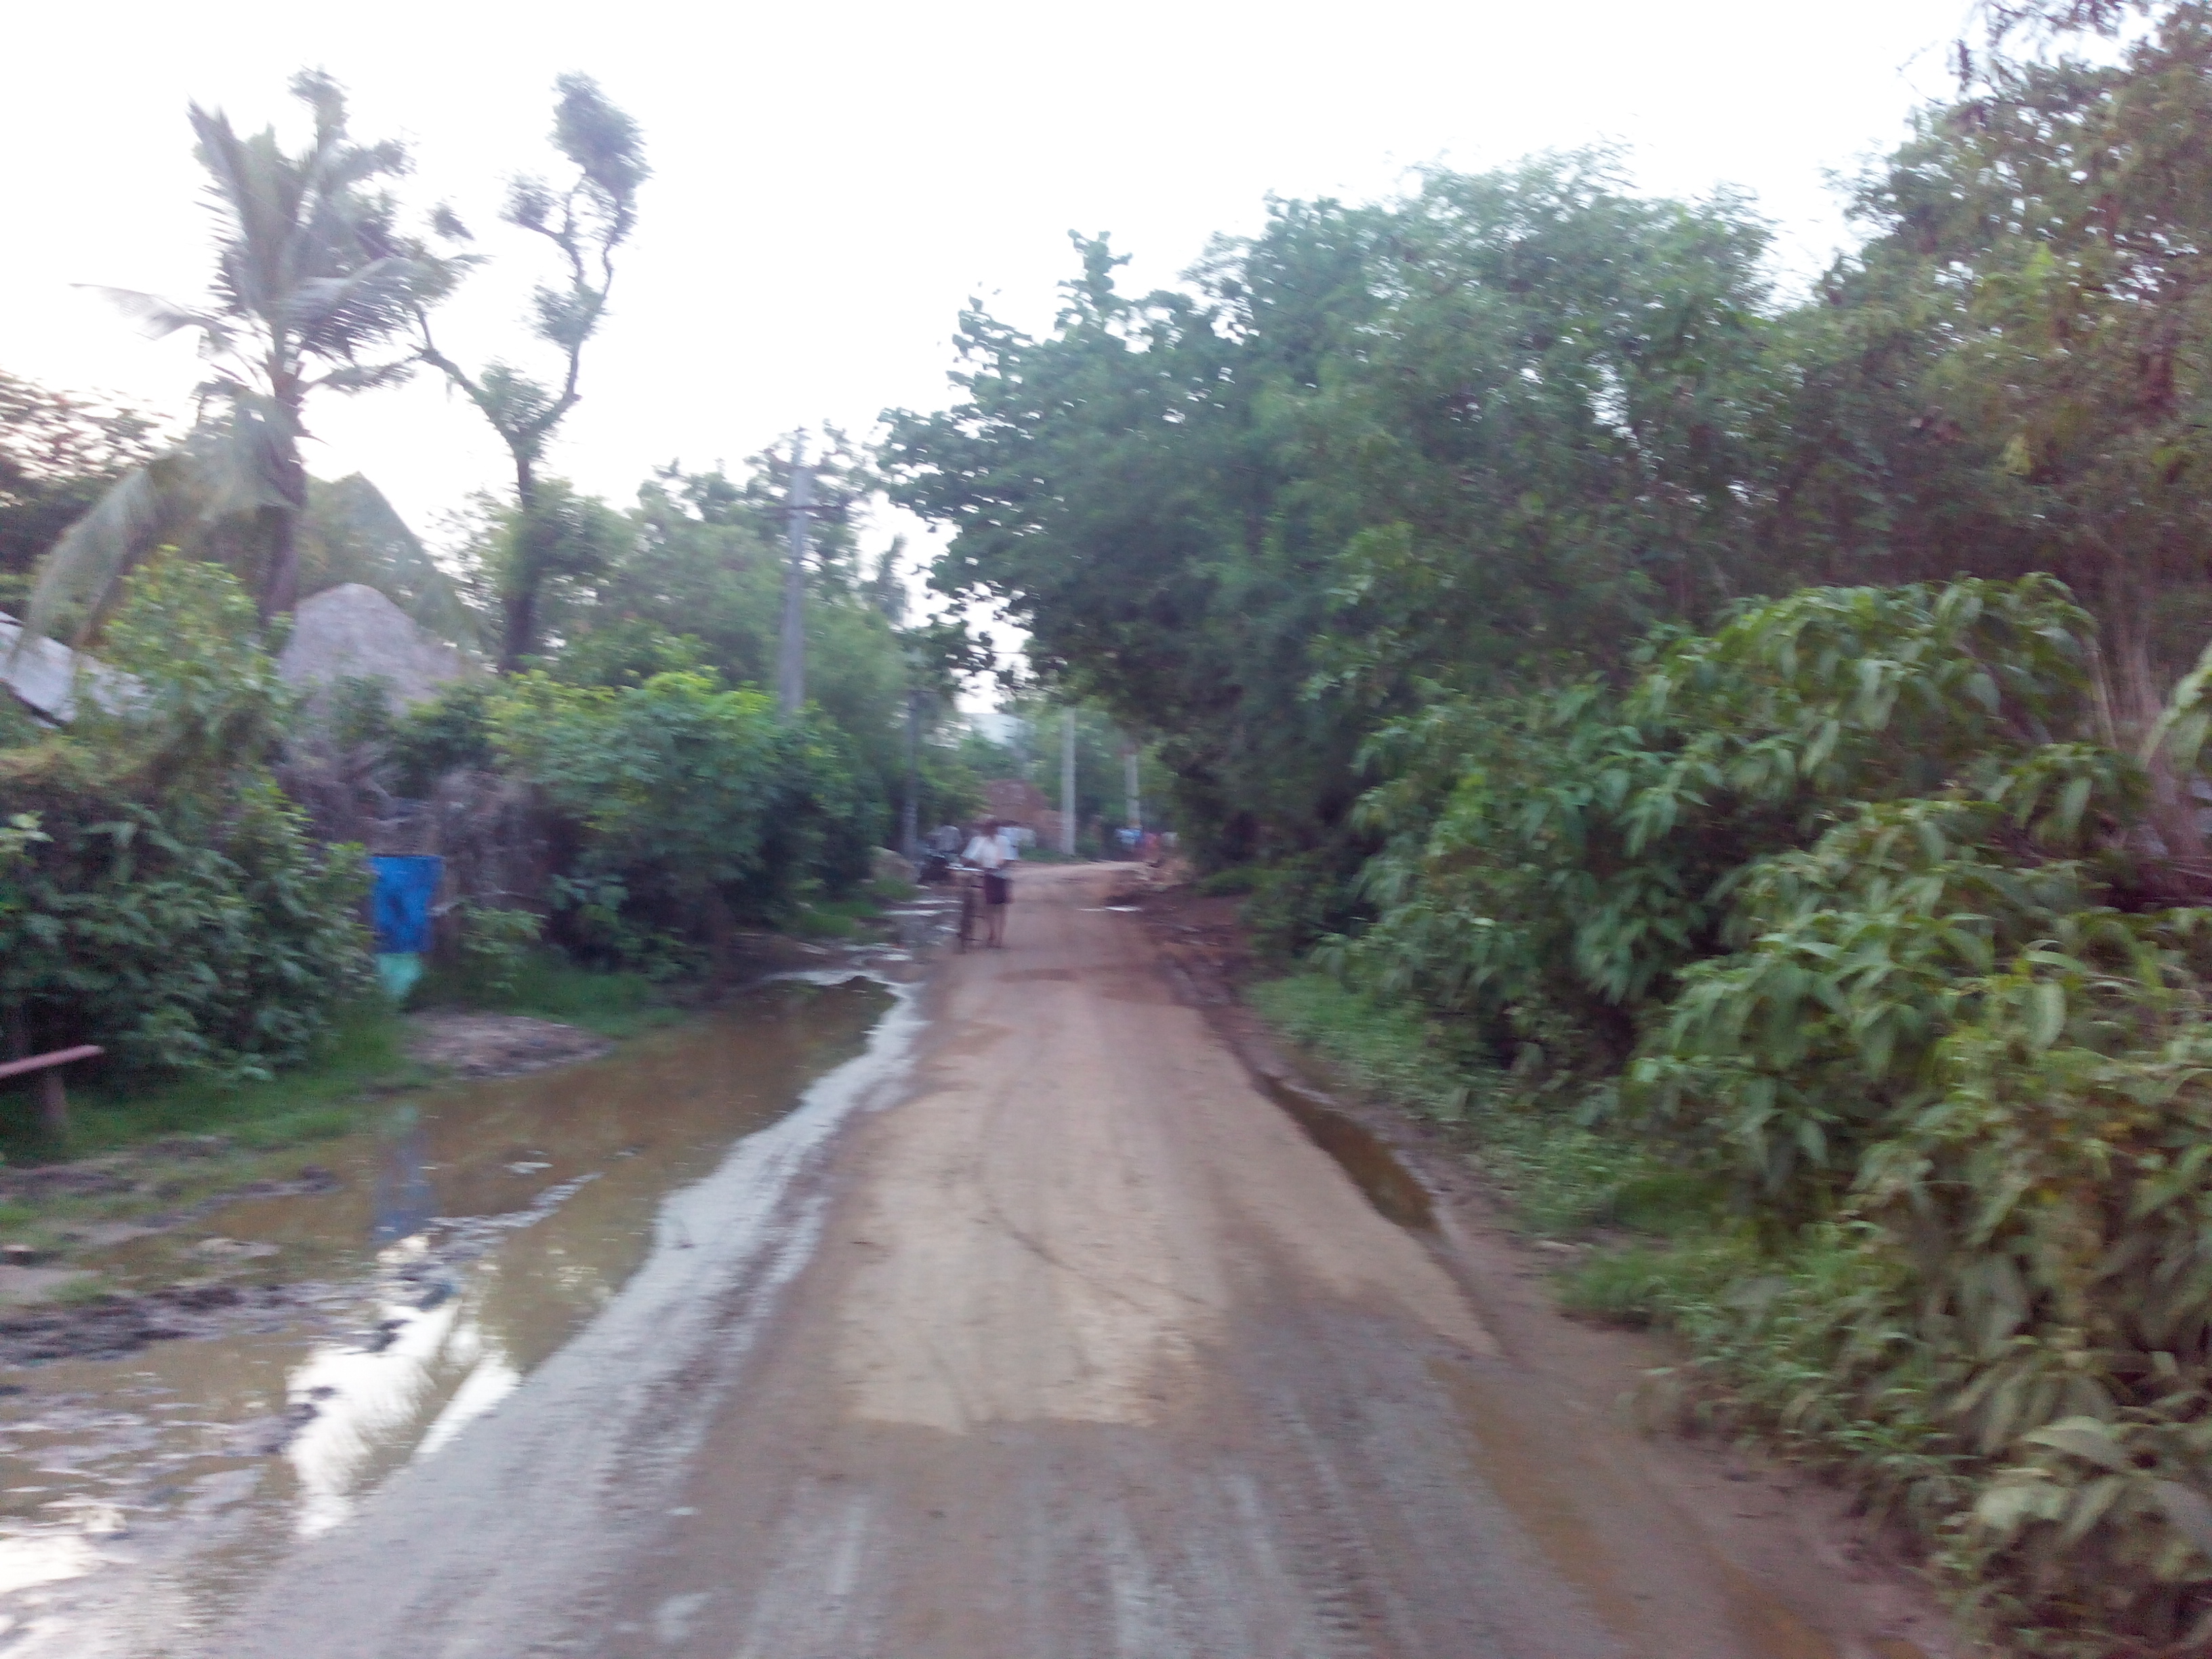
(400,903)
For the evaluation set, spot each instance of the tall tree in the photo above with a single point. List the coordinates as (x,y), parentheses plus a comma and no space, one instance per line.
(314,282)
(2052,226)
(586,220)
(1497,427)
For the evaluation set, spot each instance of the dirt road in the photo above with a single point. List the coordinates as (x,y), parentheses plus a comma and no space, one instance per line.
(1078,1347)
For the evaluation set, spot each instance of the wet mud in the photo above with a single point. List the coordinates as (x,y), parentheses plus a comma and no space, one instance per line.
(1390,1187)
(112,1327)
(474,1045)
(1055,1325)
(264,1367)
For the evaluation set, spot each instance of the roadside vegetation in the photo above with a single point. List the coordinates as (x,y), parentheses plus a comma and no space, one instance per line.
(1737,751)
(621,809)
(1739,755)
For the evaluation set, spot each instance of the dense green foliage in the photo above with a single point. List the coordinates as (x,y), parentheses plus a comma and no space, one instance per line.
(1497,429)
(1830,914)
(694,803)
(691,580)
(1734,747)
(165,900)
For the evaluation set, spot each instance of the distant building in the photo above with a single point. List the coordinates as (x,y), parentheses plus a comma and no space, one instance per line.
(1016,800)
(354,632)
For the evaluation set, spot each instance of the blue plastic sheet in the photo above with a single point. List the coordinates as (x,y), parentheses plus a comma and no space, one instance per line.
(399,906)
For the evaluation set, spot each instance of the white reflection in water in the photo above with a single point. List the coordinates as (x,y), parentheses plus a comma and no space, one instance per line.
(374,1396)
(366,1402)
(490,1382)
(44,1557)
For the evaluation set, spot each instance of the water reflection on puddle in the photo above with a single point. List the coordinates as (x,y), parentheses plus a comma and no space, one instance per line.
(473,1231)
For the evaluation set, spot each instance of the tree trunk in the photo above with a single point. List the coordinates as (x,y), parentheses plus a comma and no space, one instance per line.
(910,809)
(280,593)
(520,602)
(721,938)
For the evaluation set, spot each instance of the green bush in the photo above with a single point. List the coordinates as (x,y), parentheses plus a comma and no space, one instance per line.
(1297,901)
(170,905)
(692,807)
(450,732)
(1840,911)
(495,944)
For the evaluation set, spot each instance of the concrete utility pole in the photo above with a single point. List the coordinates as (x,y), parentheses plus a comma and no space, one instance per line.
(1067,783)
(791,651)
(1129,770)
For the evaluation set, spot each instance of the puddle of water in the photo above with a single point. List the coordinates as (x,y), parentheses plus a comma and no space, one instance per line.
(1373,1167)
(470,1233)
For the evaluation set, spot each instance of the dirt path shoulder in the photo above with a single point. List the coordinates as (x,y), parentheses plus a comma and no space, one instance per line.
(1781,1527)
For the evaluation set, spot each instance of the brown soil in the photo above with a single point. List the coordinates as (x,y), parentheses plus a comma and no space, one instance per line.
(497,1045)
(109,1326)
(1088,1349)
(1785,1526)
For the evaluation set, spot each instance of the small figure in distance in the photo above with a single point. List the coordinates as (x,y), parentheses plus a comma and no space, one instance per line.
(986,854)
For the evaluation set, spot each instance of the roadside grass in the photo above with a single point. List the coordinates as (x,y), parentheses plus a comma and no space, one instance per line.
(362,1060)
(170,1145)
(1663,1251)
(853,915)
(544,984)
(363,1054)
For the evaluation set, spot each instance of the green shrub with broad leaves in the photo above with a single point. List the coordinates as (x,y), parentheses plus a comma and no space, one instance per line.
(158,895)
(1842,907)
(691,807)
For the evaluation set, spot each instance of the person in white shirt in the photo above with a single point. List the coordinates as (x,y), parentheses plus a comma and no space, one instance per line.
(988,852)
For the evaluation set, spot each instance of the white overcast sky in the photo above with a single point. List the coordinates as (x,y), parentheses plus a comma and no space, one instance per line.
(832,183)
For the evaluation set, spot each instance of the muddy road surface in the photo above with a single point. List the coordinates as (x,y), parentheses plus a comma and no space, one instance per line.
(1038,1332)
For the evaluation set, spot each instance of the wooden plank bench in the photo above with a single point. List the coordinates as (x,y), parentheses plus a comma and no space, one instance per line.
(53,1099)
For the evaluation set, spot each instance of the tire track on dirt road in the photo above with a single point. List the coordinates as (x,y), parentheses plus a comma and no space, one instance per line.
(1097,1355)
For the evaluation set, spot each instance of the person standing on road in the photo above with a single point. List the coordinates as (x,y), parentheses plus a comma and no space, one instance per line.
(988,852)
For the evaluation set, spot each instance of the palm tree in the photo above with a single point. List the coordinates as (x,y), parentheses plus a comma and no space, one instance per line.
(313,278)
